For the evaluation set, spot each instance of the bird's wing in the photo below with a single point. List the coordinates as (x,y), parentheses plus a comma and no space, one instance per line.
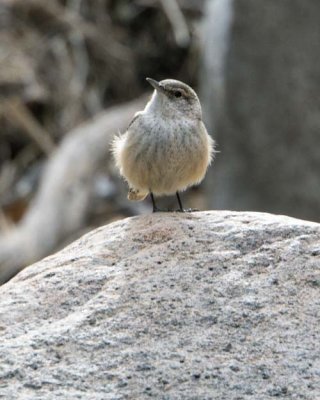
(136,116)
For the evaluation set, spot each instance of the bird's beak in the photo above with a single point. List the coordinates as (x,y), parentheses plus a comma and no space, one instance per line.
(156,85)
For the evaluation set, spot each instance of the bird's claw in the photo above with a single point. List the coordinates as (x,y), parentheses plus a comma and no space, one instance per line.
(187,210)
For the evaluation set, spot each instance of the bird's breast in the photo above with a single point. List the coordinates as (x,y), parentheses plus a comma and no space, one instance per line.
(162,155)
(167,141)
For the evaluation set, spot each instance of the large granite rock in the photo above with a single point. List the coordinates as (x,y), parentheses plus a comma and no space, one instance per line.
(211,305)
(260,90)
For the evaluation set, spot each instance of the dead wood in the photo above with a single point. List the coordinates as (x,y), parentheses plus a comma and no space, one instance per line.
(15,110)
(61,204)
(177,21)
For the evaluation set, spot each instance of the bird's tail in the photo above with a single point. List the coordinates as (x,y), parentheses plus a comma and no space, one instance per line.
(136,194)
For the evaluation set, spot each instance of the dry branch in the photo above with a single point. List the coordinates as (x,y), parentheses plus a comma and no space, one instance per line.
(61,205)
(16,111)
(178,22)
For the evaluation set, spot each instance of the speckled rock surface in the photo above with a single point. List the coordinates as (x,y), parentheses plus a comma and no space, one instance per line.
(211,305)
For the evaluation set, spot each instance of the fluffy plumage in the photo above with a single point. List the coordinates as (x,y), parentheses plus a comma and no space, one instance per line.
(166,148)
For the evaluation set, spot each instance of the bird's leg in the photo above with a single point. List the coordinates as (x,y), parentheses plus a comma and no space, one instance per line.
(181,209)
(154,207)
(180,203)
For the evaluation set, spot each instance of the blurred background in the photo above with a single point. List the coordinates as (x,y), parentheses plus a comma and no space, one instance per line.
(72,74)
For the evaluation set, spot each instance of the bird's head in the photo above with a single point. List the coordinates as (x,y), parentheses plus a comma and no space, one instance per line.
(174,97)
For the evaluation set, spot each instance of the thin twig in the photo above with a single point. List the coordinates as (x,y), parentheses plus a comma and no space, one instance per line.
(178,22)
(194,6)
(18,113)
(5,224)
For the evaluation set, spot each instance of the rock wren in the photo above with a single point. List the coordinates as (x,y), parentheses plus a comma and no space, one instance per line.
(166,148)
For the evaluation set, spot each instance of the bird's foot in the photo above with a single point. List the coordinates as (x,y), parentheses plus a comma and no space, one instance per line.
(156,209)
(187,210)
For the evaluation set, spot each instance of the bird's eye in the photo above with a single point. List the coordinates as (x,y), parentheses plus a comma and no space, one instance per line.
(177,93)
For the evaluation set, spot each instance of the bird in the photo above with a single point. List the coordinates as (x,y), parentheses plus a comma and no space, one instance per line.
(166,148)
